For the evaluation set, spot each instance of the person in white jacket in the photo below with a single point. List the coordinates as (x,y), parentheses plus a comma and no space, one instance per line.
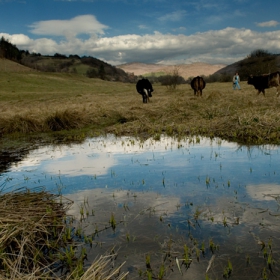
(236,81)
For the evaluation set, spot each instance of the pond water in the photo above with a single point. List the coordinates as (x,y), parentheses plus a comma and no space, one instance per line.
(210,200)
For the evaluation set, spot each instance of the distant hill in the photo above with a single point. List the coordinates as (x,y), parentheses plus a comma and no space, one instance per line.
(185,70)
(229,69)
(252,65)
(7,65)
(13,59)
(86,65)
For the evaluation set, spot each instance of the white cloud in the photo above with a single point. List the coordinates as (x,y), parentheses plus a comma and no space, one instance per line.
(85,24)
(142,26)
(174,16)
(263,191)
(224,46)
(271,23)
(96,156)
(17,39)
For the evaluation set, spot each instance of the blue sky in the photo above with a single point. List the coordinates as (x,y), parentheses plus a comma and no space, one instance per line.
(148,31)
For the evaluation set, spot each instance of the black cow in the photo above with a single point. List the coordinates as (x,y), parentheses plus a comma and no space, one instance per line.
(145,88)
(265,81)
(198,84)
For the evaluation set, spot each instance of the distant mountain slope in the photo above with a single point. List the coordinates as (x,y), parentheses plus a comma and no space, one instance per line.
(252,65)
(7,65)
(229,69)
(185,70)
(86,65)
(14,60)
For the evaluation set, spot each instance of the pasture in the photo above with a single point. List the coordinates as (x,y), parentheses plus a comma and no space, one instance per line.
(43,105)
(60,108)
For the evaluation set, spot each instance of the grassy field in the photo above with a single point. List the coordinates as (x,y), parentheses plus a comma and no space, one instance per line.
(69,106)
(48,107)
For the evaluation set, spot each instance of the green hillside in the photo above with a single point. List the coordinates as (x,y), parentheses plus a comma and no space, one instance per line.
(86,65)
(7,65)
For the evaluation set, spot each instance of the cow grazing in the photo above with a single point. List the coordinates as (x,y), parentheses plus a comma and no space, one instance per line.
(265,81)
(198,84)
(145,88)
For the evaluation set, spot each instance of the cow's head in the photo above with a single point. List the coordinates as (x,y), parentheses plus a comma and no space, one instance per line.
(250,80)
(149,90)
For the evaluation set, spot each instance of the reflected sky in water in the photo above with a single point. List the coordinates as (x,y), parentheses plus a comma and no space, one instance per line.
(193,187)
(183,168)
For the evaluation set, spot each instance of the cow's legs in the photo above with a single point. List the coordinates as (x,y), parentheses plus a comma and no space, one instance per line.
(145,96)
(261,90)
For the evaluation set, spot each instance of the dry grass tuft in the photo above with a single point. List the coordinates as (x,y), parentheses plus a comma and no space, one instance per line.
(30,226)
(35,240)
(100,270)
(214,95)
(20,124)
(67,119)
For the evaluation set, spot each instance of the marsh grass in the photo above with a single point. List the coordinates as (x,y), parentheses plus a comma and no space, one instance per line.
(34,103)
(31,223)
(61,120)
(36,240)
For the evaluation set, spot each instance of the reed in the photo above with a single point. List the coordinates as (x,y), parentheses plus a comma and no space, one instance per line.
(32,225)
(37,240)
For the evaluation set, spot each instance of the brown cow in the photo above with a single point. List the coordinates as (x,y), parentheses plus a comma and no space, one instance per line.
(198,84)
(265,81)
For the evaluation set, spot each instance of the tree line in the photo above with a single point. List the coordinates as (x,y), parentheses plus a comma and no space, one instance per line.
(259,61)
(95,68)
(9,51)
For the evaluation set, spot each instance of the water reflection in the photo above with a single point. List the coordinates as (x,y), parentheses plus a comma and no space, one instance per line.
(168,166)
(166,194)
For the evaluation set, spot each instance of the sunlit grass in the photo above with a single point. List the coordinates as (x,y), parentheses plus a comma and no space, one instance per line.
(119,116)
(43,103)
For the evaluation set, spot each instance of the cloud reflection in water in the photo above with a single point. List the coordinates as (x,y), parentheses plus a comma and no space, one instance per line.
(173,189)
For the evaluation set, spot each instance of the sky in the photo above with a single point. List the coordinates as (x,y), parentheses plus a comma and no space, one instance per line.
(148,31)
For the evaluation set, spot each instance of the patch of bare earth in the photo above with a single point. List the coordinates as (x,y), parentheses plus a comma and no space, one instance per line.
(185,70)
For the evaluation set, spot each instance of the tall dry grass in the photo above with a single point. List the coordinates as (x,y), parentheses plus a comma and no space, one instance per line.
(65,102)
(35,240)
(31,224)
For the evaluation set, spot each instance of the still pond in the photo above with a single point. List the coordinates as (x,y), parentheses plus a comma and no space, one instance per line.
(184,209)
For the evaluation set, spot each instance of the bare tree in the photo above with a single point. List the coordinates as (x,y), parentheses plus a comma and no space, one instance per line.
(172,79)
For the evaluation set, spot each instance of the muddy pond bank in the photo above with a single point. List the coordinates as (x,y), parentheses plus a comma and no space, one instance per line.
(182,209)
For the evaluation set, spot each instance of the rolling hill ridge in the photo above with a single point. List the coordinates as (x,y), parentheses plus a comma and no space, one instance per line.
(185,70)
